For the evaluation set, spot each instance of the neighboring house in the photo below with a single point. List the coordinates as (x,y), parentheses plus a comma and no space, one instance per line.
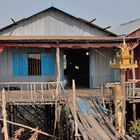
(131,29)
(28,50)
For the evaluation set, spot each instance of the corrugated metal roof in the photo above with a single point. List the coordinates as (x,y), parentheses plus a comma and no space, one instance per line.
(53,8)
(127,28)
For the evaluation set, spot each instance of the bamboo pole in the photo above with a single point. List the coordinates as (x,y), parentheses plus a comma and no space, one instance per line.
(124,101)
(133,91)
(56,122)
(74,107)
(133,74)
(134,112)
(28,127)
(103,98)
(58,63)
(4,114)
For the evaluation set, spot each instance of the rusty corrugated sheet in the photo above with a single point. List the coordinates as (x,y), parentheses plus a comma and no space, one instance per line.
(64,45)
(137,57)
(135,33)
(137,70)
(64,42)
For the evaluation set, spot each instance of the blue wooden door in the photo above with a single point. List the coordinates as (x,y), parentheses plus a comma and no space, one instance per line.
(48,64)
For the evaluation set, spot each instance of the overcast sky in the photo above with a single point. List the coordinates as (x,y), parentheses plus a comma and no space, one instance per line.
(107,12)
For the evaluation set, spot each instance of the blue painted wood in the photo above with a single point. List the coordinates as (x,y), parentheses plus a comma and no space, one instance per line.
(62,64)
(16,64)
(20,64)
(47,64)
(23,64)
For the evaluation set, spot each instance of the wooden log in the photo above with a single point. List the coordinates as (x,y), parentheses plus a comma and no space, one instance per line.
(87,127)
(103,98)
(90,134)
(102,123)
(123,124)
(99,133)
(83,132)
(108,132)
(133,74)
(106,120)
(30,128)
(74,109)
(134,112)
(72,112)
(58,64)
(82,119)
(4,114)
(128,137)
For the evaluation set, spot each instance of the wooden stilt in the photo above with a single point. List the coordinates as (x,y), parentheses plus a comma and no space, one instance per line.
(57,87)
(58,64)
(74,109)
(133,74)
(11,118)
(124,100)
(28,127)
(4,114)
(134,112)
(103,99)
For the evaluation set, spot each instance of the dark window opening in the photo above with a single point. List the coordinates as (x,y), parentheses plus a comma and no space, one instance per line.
(34,64)
(76,66)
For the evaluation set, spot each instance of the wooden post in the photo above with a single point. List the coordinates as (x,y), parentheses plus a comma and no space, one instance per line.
(58,63)
(74,107)
(103,98)
(133,89)
(56,123)
(124,100)
(133,74)
(30,128)
(4,114)
(119,108)
(134,112)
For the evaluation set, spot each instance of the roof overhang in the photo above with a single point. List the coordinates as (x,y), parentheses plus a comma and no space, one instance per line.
(63,41)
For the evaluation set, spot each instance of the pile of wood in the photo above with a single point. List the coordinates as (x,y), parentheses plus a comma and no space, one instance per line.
(93,121)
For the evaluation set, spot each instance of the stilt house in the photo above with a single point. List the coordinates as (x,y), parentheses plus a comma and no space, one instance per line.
(28,50)
(131,29)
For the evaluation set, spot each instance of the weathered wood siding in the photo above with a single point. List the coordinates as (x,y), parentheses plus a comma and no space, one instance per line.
(53,23)
(6,66)
(100,72)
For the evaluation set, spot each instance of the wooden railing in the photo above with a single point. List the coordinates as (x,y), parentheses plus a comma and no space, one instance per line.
(31,92)
(130,88)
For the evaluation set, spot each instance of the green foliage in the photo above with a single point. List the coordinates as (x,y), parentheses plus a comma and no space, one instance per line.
(134,129)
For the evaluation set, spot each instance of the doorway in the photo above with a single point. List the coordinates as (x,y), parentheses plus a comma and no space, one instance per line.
(76,66)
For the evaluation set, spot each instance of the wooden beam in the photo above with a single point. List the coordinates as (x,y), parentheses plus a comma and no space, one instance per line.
(92,20)
(106,27)
(58,64)
(74,109)
(4,114)
(134,112)
(123,126)
(30,128)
